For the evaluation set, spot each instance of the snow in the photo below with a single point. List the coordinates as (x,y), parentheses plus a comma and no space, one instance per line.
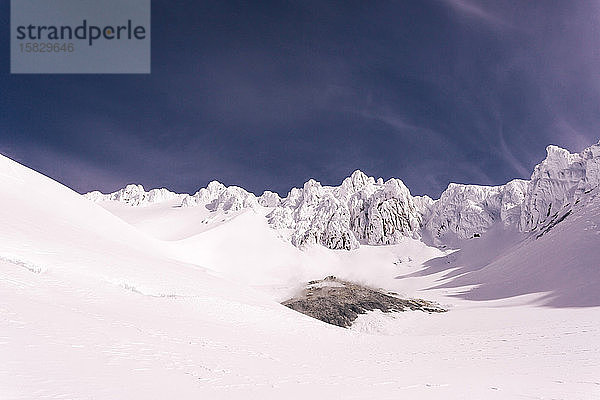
(146,298)
(466,211)
(563,262)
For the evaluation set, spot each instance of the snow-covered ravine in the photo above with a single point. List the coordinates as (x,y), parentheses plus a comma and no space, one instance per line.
(151,299)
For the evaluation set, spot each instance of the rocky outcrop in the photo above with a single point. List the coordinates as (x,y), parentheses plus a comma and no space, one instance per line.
(269,199)
(314,215)
(384,213)
(136,195)
(339,302)
(360,210)
(217,196)
(466,211)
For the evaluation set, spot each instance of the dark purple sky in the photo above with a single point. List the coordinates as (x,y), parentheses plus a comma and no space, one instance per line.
(270,94)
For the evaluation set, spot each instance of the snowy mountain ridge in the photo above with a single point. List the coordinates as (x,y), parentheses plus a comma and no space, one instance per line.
(363,210)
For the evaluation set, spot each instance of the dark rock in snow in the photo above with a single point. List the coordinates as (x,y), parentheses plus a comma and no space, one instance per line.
(339,302)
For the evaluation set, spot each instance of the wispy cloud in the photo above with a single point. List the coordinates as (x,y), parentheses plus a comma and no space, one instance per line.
(471,9)
(573,137)
(510,158)
(407,129)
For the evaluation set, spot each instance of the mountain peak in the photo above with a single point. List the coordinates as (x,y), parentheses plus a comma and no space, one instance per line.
(358,180)
(553,151)
(359,176)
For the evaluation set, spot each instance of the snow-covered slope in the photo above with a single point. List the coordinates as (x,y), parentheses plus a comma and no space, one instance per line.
(363,210)
(48,228)
(562,261)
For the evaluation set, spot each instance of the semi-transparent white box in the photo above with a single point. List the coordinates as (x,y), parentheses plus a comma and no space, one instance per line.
(80,36)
